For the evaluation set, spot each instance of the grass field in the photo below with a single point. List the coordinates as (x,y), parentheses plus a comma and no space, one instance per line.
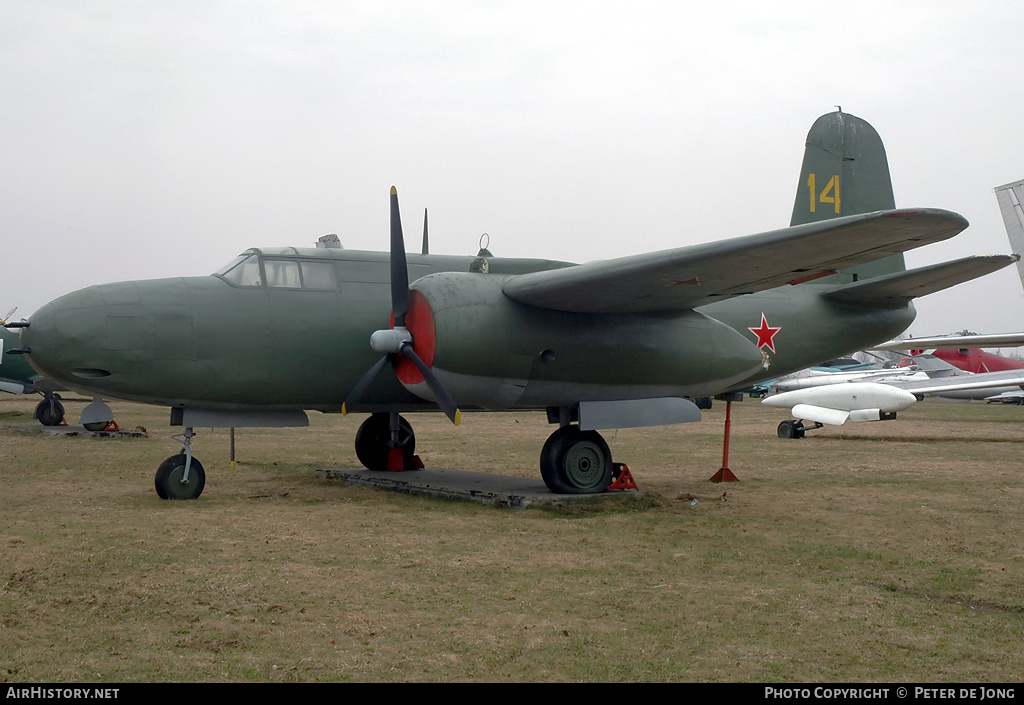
(870,552)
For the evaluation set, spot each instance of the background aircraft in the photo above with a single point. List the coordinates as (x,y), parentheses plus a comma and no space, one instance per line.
(612,344)
(819,400)
(18,377)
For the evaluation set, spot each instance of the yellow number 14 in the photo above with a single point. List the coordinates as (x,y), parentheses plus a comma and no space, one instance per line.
(830,194)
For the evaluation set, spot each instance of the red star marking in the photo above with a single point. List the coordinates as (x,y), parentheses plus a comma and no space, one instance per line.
(765,333)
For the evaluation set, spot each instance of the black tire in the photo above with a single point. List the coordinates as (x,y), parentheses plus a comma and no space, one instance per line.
(576,462)
(792,429)
(168,478)
(97,426)
(49,412)
(372,442)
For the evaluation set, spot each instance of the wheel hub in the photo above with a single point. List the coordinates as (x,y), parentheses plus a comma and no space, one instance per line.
(584,464)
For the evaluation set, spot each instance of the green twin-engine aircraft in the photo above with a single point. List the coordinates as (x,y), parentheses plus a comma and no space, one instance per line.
(612,344)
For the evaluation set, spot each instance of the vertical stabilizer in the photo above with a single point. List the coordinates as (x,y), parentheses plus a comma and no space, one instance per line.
(845,172)
(1010,197)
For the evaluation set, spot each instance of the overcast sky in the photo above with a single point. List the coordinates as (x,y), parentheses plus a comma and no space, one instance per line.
(155,139)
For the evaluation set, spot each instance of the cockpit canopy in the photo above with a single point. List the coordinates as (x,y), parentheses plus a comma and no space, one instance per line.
(279,268)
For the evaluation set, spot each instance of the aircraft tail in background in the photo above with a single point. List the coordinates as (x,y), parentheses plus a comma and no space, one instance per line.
(1010,197)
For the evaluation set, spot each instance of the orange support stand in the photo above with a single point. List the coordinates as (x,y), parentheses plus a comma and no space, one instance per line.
(724,474)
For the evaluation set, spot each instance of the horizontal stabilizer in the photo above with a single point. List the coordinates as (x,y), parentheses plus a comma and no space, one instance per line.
(675,280)
(896,289)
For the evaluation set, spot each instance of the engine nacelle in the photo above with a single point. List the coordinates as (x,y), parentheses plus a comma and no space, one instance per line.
(492,352)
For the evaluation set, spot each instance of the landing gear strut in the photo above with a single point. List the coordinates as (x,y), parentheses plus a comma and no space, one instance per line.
(576,462)
(181,476)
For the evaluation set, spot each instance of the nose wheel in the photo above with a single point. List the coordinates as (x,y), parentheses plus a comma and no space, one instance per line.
(181,476)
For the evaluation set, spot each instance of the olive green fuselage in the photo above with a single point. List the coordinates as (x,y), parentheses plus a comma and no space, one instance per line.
(209,343)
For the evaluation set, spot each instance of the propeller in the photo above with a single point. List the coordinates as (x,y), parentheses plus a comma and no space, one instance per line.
(426,245)
(398,340)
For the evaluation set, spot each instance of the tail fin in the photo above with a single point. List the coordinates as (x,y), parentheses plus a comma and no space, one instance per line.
(845,172)
(1011,198)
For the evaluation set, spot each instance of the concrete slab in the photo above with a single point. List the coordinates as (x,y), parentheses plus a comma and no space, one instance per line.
(494,490)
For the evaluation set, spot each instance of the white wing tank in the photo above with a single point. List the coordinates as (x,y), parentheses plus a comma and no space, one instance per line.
(835,404)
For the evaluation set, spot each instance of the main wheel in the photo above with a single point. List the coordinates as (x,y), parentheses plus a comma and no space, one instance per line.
(49,412)
(791,429)
(169,474)
(373,437)
(576,462)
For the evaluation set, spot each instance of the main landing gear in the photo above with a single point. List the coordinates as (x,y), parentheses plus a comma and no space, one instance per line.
(795,428)
(572,461)
(387,442)
(181,476)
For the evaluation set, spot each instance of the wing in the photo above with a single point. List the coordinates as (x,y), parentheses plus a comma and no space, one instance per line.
(694,276)
(999,340)
(962,383)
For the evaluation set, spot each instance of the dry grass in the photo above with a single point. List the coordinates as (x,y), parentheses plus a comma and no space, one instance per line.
(875,552)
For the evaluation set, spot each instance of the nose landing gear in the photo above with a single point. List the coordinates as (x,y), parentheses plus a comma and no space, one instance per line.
(181,476)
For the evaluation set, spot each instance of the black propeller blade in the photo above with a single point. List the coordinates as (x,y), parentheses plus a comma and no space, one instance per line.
(426,245)
(399,268)
(356,395)
(398,341)
(441,395)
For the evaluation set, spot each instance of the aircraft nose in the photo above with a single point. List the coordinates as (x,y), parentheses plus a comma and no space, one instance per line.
(63,335)
(96,337)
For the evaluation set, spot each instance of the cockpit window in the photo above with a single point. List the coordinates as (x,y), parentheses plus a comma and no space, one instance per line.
(319,275)
(243,271)
(282,273)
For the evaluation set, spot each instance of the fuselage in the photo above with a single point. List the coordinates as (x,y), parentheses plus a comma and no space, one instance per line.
(289,329)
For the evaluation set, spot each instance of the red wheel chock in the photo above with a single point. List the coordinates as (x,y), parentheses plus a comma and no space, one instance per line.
(396,461)
(622,478)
